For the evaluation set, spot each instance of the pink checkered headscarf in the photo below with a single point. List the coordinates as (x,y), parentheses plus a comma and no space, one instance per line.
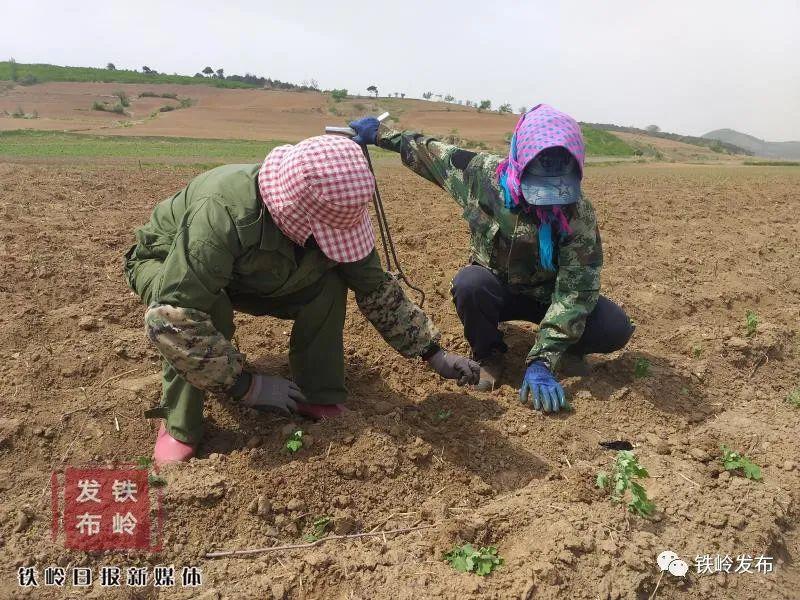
(540,128)
(321,186)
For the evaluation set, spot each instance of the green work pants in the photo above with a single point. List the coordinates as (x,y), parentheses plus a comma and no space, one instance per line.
(316,352)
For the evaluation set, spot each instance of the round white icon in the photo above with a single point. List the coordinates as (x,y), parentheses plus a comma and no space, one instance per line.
(678,567)
(669,561)
(666,557)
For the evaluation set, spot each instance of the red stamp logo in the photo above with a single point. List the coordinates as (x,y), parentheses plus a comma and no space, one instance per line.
(106,509)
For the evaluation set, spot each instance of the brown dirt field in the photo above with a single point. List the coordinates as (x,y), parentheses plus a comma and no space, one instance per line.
(232,114)
(688,250)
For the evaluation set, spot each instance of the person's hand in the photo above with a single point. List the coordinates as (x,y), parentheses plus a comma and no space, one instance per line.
(455,366)
(366,130)
(267,392)
(545,392)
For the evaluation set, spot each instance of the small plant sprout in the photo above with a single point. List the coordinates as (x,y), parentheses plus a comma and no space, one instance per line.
(444,414)
(623,484)
(738,463)
(156,480)
(144,462)
(294,442)
(793,397)
(641,368)
(751,322)
(697,350)
(319,527)
(467,559)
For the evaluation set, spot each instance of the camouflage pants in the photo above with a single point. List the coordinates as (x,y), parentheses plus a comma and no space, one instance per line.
(316,352)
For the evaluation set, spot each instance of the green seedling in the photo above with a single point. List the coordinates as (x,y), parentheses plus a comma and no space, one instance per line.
(641,368)
(144,462)
(294,442)
(738,463)
(794,397)
(444,414)
(156,480)
(466,559)
(626,471)
(751,322)
(320,526)
(697,351)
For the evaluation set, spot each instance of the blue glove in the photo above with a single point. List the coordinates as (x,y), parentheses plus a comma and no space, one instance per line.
(547,393)
(366,130)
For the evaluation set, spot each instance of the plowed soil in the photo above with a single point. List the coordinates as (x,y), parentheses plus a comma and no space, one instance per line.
(233,113)
(688,250)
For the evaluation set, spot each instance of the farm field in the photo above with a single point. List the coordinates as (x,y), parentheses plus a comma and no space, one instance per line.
(255,114)
(689,250)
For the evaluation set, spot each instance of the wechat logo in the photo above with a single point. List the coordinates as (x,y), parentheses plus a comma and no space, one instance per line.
(669,561)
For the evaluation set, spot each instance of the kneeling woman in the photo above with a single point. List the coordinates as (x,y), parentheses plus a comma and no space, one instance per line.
(285,238)
(535,245)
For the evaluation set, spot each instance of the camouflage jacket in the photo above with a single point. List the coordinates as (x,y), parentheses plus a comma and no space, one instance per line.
(507,242)
(215,241)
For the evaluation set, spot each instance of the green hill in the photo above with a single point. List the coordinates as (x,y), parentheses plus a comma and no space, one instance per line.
(39,73)
(603,143)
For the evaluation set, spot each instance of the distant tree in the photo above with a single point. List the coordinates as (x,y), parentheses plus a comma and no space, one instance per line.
(373,89)
(339,95)
(485,105)
(311,84)
(208,71)
(449,98)
(220,73)
(427,95)
(653,128)
(504,108)
(12,64)
(199,75)
(523,110)
(402,94)
(146,69)
(111,67)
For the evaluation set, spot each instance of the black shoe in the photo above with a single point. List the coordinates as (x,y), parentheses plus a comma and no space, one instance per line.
(492,368)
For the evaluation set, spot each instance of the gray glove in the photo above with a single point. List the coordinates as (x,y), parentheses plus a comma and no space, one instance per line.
(267,392)
(455,366)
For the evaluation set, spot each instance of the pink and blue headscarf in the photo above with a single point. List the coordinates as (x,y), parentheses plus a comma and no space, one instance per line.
(540,128)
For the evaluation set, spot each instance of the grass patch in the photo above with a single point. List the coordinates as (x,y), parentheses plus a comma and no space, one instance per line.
(19,113)
(36,73)
(772,163)
(45,144)
(603,143)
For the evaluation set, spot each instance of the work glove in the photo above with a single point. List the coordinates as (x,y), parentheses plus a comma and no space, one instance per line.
(455,366)
(545,391)
(366,130)
(272,393)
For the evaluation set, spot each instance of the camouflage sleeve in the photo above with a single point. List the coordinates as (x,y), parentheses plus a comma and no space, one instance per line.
(577,288)
(443,164)
(401,322)
(188,340)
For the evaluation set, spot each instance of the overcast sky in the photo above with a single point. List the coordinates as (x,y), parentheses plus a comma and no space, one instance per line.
(687,66)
